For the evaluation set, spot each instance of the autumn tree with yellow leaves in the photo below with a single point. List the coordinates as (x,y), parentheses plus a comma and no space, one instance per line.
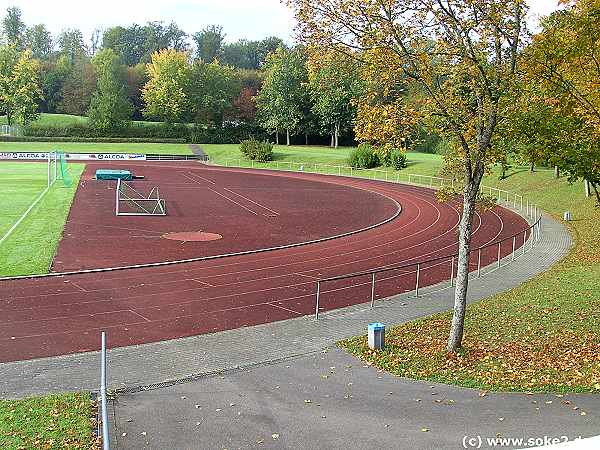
(461,54)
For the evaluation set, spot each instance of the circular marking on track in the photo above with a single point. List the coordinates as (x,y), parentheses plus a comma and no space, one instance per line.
(192,236)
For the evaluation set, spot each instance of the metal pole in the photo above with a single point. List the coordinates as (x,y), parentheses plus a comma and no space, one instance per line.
(373,290)
(515,202)
(417,281)
(317,303)
(49,176)
(479,262)
(527,208)
(499,243)
(105,438)
(452,273)
(521,203)
(514,245)
(55,166)
(524,240)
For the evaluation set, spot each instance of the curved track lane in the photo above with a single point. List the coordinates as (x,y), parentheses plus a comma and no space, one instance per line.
(59,315)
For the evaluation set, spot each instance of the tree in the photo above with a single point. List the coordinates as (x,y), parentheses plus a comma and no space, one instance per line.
(129,43)
(209,43)
(39,40)
(53,76)
(136,78)
(212,90)
(20,90)
(110,109)
(563,61)
(166,92)
(13,27)
(465,71)
(71,45)
(78,87)
(282,97)
(334,85)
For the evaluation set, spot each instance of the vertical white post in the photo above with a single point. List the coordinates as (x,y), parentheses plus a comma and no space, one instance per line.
(452,273)
(56,166)
(417,280)
(49,164)
(317,302)
(105,436)
(499,244)
(524,240)
(513,248)
(479,262)
(373,290)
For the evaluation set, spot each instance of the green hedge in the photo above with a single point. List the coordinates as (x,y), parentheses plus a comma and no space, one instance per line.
(117,140)
(228,134)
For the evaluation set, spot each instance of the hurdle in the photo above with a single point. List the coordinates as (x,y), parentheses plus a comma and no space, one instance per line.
(131,202)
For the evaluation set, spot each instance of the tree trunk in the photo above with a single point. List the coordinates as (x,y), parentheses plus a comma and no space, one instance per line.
(288,137)
(337,135)
(595,187)
(462,274)
(556,172)
(332,140)
(586,184)
(277,137)
(532,166)
(305,138)
(8,118)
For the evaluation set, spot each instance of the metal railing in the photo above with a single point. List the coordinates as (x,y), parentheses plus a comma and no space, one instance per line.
(516,201)
(438,264)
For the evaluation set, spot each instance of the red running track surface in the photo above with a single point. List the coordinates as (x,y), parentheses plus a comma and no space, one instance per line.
(64,314)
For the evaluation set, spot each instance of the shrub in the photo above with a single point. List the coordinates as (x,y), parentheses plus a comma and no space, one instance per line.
(363,157)
(397,159)
(257,150)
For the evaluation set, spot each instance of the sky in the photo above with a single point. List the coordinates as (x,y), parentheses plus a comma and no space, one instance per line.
(249,19)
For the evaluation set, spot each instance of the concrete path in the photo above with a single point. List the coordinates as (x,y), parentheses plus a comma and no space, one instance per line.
(331,400)
(169,362)
(197,150)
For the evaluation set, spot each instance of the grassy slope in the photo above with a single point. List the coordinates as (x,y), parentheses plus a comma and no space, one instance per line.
(53,422)
(89,147)
(65,120)
(31,247)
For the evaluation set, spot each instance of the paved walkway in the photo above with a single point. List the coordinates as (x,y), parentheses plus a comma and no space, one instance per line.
(170,362)
(331,400)
(197,150)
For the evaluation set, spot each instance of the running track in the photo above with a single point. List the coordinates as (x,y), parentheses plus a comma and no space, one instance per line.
(58,315)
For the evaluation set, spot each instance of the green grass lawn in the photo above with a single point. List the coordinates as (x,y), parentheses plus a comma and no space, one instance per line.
(31,246)
(55,422)
(65,120)
(94,147)
(284,158)
(542,336)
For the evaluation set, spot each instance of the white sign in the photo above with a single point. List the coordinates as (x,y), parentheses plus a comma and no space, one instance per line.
(75,156)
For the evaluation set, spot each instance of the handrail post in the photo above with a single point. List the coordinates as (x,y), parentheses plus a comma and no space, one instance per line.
(317,302)
(499,252)
(417,280)
(373,290)
(479,262)
(524,240)
(513,248)
(452,273)
(105,436)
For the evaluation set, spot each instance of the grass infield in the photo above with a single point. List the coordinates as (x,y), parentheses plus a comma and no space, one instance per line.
(53,422)
(31,246)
